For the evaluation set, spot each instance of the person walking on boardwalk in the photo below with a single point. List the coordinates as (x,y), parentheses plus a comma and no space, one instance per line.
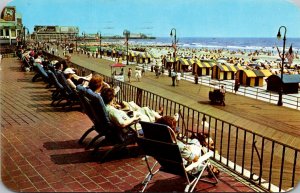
(236,85)
(173,76)
(223,91)
(129,74)
(138,74)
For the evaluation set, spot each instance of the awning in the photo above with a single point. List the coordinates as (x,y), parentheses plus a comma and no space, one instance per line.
(184,61)
(262,73)
(226,68)
(249,73)
(204,64)
(117,65)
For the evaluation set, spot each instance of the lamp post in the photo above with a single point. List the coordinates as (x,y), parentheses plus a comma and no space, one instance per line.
(282,62)
(174,42)
(24,34)
(126,33)
(76,43)
(100,38)
(83,33)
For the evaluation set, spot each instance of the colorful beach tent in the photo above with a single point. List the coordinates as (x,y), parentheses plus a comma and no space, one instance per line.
(182,64)
(246,77)
(224,72)
(290,83)
(170,62)
(144,57)
(202,67)
(132,56)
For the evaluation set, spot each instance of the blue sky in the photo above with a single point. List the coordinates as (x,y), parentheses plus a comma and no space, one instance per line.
(200,18)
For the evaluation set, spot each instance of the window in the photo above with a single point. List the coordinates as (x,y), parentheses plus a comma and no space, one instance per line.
(6,32)
(1,32)
(13,33)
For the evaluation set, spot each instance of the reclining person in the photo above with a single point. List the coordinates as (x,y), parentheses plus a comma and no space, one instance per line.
(73,79)
(120,117)
(97,83)
(191,150)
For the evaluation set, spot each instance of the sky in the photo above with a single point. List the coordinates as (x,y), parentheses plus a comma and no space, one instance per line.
(190,18)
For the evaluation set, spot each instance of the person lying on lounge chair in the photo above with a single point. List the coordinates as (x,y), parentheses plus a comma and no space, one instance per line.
(191,150)
(73,79)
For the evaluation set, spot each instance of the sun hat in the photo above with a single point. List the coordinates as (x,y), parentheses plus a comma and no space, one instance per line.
(69,71)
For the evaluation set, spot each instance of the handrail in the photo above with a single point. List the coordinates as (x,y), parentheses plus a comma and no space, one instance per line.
(274,154)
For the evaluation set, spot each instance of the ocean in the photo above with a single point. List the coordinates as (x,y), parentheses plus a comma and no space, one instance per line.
(265,44)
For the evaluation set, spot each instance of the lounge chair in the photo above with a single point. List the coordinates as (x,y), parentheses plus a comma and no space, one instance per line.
(108,132)
(159,142)
(88,110)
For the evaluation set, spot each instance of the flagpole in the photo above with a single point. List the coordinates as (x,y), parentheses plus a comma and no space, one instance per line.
(174,43)
(280,103)
(126,33)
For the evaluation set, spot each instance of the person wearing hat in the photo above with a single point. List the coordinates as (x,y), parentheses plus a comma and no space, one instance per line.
(73,79)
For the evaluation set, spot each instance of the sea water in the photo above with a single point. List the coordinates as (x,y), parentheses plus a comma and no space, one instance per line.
(265,44)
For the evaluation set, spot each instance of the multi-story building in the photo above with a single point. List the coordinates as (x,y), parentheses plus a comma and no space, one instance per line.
(55,33)
(11,27)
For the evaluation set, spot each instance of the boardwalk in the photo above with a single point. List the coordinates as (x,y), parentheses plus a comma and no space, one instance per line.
(40,150)
(278,123)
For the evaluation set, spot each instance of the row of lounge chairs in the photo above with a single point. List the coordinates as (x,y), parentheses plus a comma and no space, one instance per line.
(156,142)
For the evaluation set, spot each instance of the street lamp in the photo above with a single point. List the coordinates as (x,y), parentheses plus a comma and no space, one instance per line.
(174,42)
(24,34)
(76,43)
(126,33)
(100,38)
(83,33)
(282,62)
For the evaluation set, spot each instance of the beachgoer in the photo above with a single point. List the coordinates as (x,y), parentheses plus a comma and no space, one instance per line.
(120,117)
(97,83)
(73,79)
(191,149)
(236,84)
(138,74)
(129,74)
(173,76)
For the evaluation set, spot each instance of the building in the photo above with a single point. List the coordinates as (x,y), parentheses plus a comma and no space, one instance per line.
(55,33)
(10,26)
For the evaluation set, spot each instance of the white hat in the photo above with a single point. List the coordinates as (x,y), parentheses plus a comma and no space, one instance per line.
(69,71)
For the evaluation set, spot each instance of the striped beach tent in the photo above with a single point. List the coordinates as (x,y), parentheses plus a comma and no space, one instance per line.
(182,64)
(202,67)
(144,57)
(132,56)
(169,62)
(246,77)
(224,72)
(261,75)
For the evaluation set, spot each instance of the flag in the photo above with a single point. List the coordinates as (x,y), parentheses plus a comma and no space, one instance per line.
(290,55)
